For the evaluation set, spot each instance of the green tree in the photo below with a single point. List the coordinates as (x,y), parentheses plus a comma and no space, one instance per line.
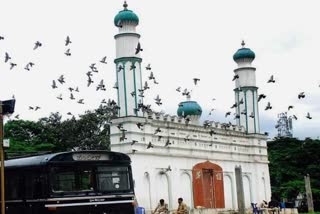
(290,160)
(90,131)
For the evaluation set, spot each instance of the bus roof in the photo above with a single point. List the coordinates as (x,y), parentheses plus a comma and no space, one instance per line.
(86,155)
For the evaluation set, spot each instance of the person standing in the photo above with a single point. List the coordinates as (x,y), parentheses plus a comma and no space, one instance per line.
(162,208)
(182,208)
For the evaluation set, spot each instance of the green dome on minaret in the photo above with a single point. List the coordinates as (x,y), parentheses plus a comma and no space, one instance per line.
(125,15)
(244,53)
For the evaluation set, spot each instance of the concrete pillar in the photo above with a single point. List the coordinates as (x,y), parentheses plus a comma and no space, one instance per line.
(309,193)
(240,191)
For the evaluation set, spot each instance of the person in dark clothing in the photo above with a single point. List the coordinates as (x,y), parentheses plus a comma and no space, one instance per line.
(274,206)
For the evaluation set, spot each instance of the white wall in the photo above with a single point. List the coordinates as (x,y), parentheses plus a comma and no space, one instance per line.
(247,191)
(185,187)
(229,148)
(229,192)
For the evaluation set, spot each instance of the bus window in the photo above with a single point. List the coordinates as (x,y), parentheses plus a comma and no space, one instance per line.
(14,187)
(72,179)
(85,179)
(35,185)
(112,179)
(64,180)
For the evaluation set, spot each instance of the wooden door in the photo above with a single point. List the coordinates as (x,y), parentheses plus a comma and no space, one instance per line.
(208,188)
(207,184)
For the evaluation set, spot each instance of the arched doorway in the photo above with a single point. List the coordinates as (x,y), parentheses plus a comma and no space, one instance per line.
(162,188)
(228,190)
(186,188)
(208,191)
(147,190)
(247,191)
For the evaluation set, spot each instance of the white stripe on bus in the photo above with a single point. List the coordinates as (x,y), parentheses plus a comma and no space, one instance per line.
(88,197)
(88,203)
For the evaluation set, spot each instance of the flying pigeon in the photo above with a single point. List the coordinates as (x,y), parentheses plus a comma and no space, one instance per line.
(104,60)
(120,68)
(139,125)
(148,67)
(59,97)
(68,41)
(271,80)
(133,142)
(36,45)
(235,77)
(61,79)
(138,48)
(7,57)
(71,96)
(261,96)
(150,145)
(196,80)
(308,116)
(132,66)
(151,76)
(157,131)
(28,66)
(301,95)
(167,143)
(67,53)
(12,65)
(268,106)
(90,81)
(234,105)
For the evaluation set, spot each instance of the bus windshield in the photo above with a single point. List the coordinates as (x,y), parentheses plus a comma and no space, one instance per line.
(90,179)
(112,179)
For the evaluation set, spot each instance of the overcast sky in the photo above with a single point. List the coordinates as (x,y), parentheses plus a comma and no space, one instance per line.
(181,40)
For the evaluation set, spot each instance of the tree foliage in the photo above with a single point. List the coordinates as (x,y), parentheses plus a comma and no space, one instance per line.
(290,160)
(53,134)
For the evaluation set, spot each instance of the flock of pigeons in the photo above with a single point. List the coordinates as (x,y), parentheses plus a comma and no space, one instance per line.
(61,80)
(93,69)
(301,95)
(57,83)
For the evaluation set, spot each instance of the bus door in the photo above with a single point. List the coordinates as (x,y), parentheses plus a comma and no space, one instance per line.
(14,192)
(35,183)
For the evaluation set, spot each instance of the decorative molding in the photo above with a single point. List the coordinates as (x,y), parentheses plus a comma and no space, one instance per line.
(135,91)
(246,88)
(118,91)
(254,111)
(140,80)
(127,34)
(242,68)
(246,109)
(239,119)
(125,88)
(125,59)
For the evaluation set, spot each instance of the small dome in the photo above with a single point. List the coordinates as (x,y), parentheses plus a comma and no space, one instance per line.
(189,108)
(125,15)
(244,53)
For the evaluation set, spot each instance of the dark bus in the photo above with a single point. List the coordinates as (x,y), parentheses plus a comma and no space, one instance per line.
(81,182)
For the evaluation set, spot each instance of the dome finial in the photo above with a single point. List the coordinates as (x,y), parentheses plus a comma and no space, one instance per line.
(243,43)
(125,5)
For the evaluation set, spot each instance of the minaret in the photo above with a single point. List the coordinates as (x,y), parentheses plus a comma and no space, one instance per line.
(128,63)
(246,91)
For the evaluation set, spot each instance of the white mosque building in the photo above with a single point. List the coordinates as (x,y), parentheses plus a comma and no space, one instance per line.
(174,155)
